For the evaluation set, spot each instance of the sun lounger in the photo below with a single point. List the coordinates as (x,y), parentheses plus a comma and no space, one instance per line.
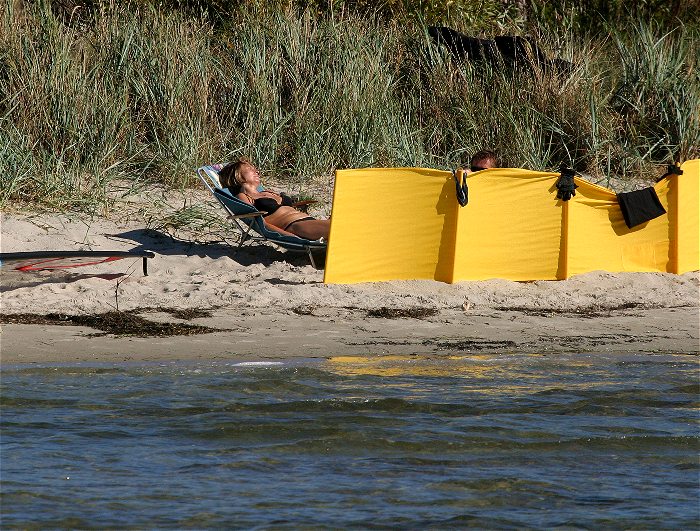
(248,219)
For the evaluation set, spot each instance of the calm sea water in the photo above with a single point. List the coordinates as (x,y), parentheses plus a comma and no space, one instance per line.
(487,441)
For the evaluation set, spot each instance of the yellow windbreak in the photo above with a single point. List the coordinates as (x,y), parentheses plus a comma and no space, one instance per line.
(405,223)
(511,228)
(687,215)
(599,239)
(391,224)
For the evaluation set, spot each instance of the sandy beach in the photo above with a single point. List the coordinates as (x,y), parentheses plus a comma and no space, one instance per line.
(263,303)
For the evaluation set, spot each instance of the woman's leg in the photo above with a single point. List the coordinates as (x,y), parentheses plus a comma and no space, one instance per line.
(311,229)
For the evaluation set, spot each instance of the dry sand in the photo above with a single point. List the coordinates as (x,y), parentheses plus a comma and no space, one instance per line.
(266,303)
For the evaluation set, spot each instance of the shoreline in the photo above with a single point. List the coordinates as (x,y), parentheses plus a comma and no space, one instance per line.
(268,304)
(270,336)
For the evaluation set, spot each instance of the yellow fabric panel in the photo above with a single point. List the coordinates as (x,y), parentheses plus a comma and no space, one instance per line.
(598,238)
(511,228)
(391,224)
(667,190)
(405,223)
(688,220)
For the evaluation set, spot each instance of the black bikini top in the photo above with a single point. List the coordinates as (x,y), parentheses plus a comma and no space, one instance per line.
(270,205)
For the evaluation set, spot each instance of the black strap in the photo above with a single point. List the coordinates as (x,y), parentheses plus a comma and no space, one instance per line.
(462,189)
(671,169)
(566,187)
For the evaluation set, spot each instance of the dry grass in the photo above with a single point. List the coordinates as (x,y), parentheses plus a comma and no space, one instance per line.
(139,95)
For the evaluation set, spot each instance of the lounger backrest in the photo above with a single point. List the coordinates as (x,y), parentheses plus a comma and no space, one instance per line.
(210,176)
(234,205)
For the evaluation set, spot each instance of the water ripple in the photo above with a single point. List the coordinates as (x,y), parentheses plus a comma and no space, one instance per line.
(483,441)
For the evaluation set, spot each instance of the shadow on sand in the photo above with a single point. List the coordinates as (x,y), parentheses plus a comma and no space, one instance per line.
(12,280)
(163,244)
(250,254)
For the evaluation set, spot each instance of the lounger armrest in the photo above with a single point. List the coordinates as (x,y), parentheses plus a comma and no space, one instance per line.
(304,203)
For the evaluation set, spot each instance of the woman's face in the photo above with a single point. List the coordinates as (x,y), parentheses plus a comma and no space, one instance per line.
(248,174)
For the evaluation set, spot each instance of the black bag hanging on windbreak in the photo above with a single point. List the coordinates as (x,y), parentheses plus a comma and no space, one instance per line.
(640,206)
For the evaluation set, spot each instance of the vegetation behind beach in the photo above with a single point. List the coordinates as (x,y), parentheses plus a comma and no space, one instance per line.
(94,93)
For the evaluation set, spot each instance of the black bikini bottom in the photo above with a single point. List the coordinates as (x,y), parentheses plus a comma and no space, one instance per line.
(307,218)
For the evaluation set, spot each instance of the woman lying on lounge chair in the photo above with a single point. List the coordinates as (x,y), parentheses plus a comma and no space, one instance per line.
(243,180)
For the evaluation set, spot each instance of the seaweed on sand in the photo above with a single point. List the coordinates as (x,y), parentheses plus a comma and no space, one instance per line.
(127,323)
(470,344)
(398,313)
(186,314)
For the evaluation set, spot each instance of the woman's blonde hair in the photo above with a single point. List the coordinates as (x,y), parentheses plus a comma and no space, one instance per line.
(230,175)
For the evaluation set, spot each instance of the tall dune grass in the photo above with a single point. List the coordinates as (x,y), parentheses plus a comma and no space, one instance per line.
(144,94)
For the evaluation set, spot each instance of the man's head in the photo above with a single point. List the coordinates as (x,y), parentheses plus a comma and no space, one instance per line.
(483,160)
